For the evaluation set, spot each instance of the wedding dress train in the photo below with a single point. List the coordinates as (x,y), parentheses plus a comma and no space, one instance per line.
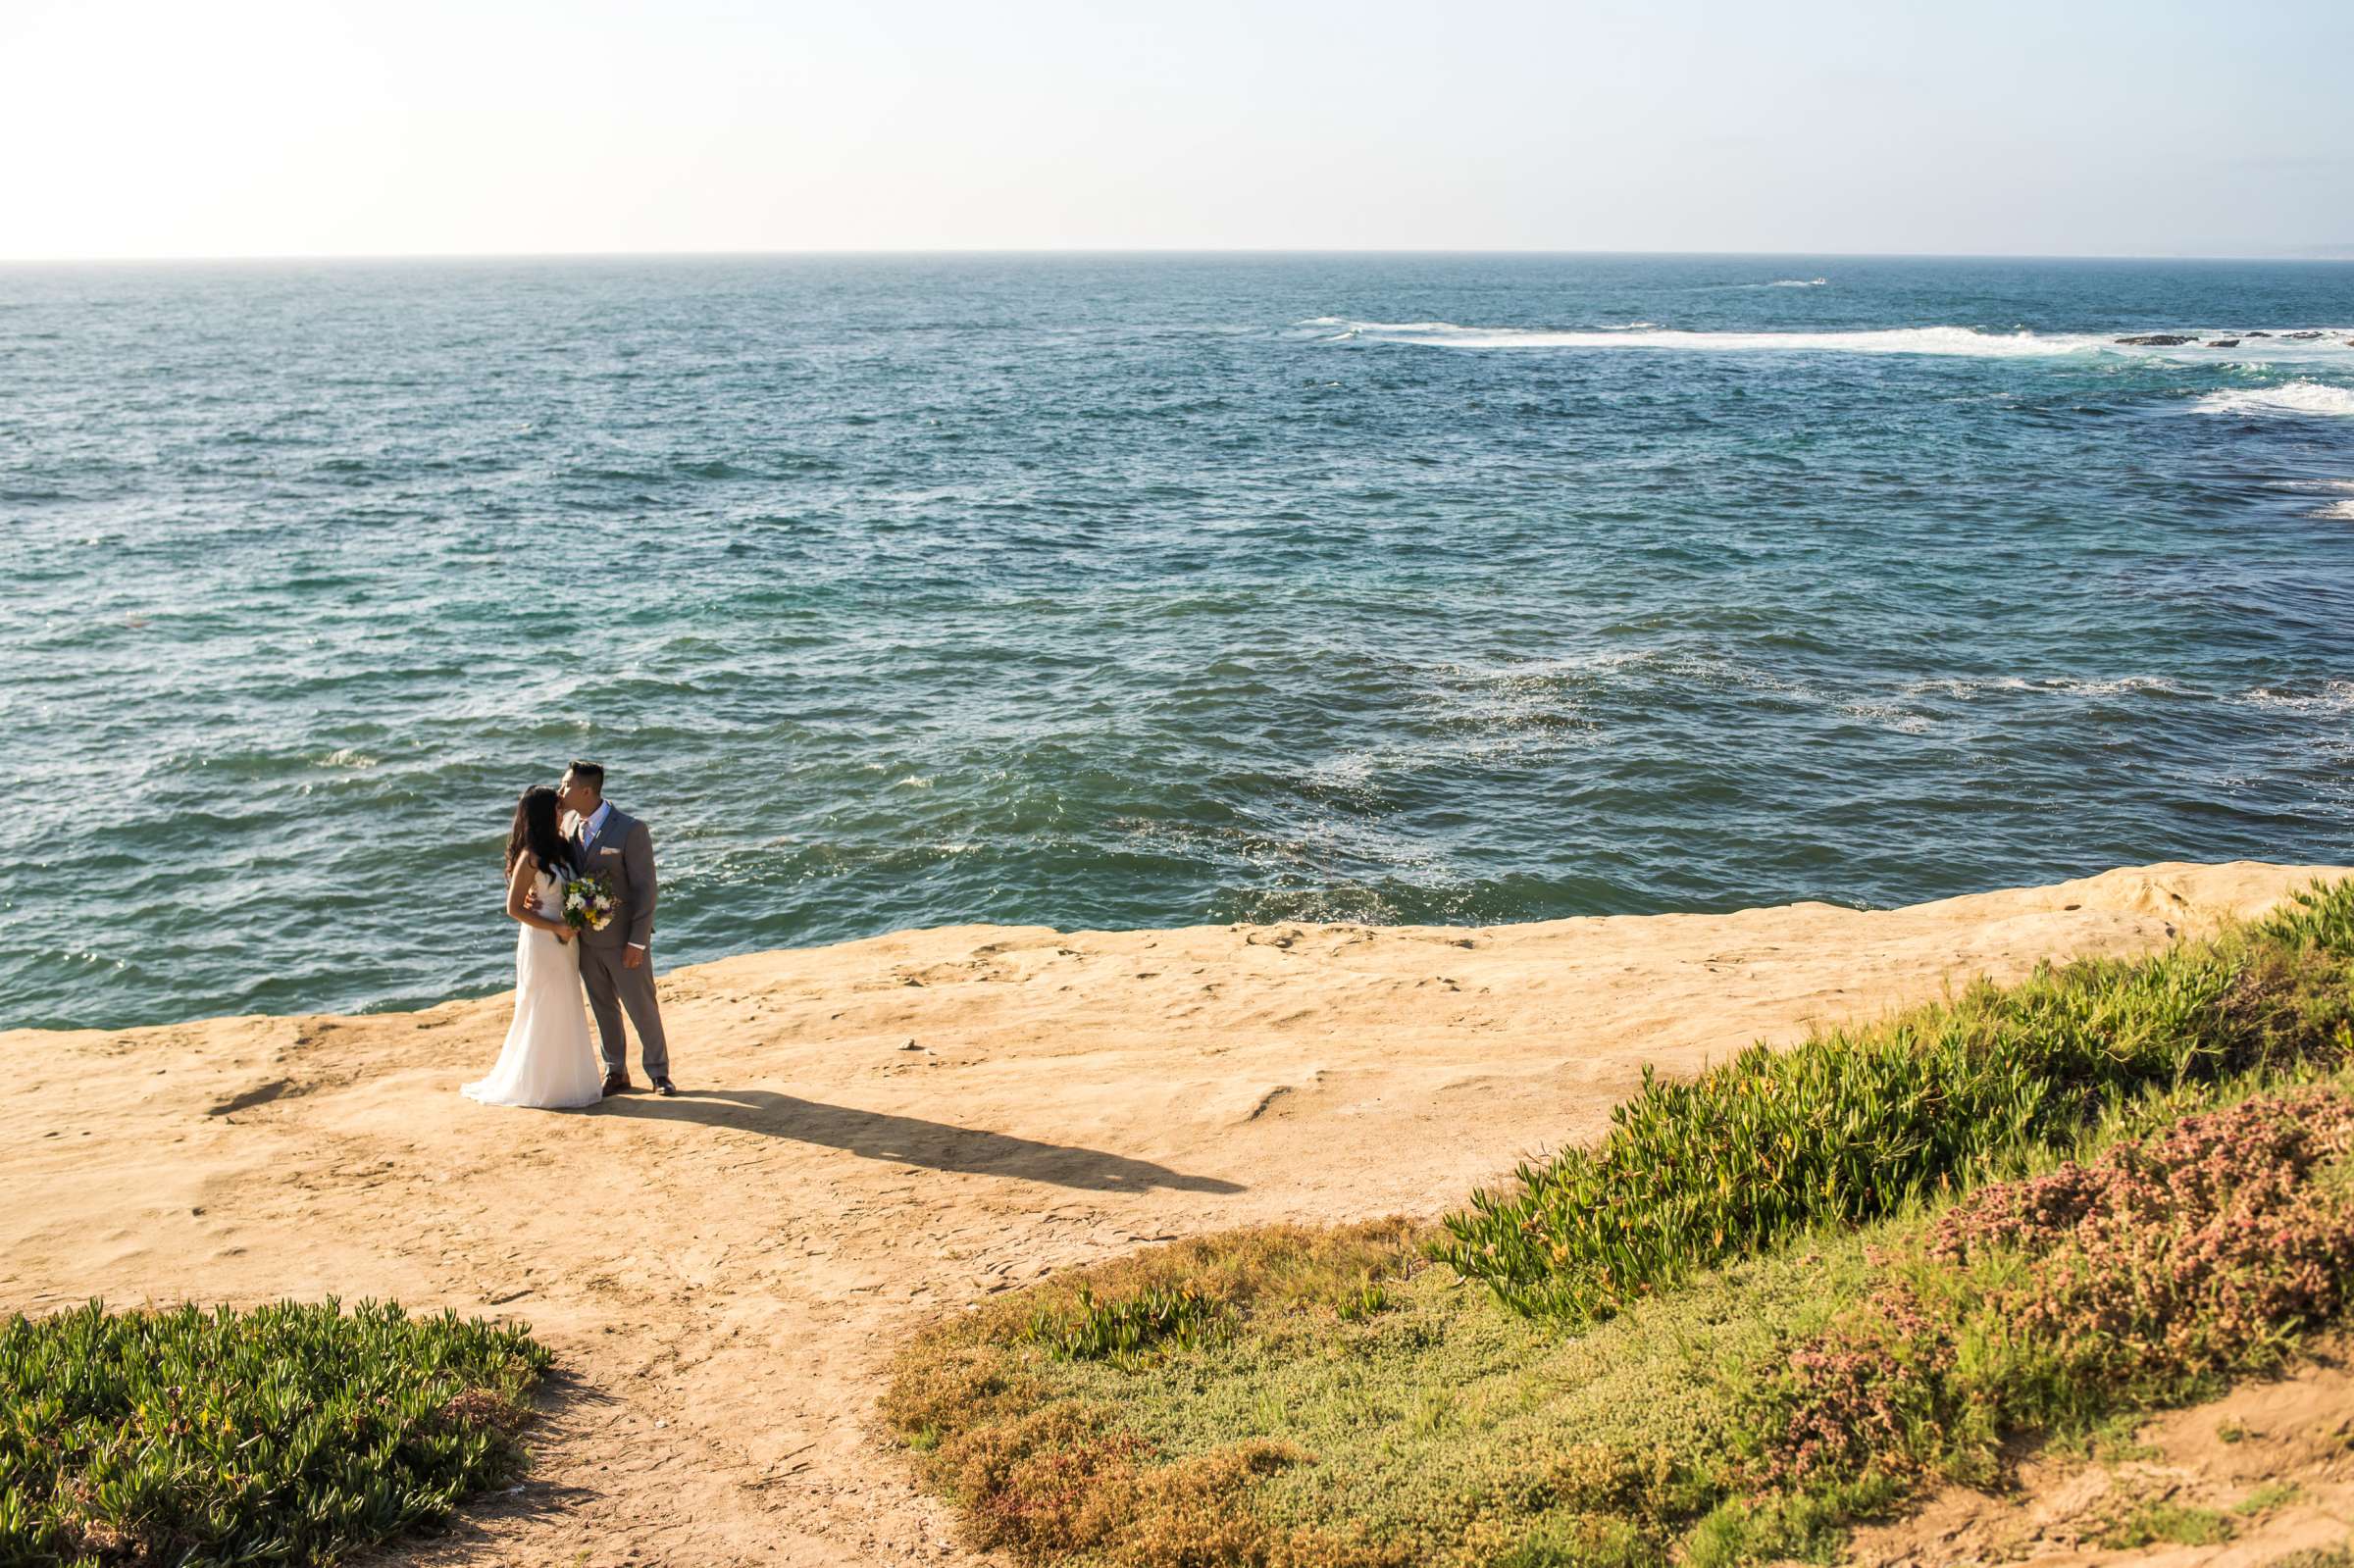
(548,1060)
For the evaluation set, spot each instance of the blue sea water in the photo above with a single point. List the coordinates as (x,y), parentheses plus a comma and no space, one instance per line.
(1111,591)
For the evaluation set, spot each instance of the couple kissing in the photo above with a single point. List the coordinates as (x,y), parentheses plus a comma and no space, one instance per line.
(580,885)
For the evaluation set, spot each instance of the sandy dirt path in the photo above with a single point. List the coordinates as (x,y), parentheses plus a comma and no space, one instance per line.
(879,1131)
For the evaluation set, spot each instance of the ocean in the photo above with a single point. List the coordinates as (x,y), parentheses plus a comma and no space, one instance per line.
(1140,591)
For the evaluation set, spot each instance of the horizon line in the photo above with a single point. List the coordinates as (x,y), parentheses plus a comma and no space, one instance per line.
(2324,254)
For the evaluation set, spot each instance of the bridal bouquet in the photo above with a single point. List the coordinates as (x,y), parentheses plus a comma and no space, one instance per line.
(588,903)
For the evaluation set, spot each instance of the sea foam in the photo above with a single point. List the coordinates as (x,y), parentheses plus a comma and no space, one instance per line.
(2291,397)
(1964,341)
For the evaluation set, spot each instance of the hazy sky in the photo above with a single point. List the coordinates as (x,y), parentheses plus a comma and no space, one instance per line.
(166,127)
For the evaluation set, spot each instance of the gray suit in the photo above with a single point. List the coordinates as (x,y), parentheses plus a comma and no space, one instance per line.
(622,854)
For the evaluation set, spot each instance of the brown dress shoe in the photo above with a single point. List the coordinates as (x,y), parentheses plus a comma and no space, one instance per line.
(618,1083)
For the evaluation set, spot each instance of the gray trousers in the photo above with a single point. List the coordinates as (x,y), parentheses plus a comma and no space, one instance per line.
(611,988)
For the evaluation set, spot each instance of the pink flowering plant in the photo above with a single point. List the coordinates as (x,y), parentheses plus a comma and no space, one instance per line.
(2145,1277)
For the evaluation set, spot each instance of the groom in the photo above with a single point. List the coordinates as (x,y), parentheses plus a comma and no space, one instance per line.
(614,966)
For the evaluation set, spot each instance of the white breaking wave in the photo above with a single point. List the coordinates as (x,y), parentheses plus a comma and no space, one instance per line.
(1964,341)
(2337,512)
(2293,397)
(1798,283)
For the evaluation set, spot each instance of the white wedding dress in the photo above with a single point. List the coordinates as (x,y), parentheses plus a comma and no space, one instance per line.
(548,1060)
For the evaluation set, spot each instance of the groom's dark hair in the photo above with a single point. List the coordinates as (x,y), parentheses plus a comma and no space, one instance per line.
(589,773)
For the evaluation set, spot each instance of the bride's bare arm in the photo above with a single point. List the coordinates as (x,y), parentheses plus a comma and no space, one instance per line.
(519,899)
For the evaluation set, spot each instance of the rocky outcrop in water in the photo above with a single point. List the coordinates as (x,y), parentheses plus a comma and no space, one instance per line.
(2177,339)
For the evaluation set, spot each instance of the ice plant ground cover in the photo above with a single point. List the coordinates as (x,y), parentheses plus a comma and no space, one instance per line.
(289,1434)
(2168,1207)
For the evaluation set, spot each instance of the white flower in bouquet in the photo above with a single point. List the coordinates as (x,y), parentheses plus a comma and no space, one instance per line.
(587,904)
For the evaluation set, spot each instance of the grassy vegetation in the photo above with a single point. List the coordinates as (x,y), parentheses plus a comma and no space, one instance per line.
(2149,1522)
(1854,1125)
(289,1434)
(1720,1361)
(2265,1498)
(1156,1317)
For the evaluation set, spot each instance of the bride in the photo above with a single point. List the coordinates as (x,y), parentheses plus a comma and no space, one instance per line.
(548,1060)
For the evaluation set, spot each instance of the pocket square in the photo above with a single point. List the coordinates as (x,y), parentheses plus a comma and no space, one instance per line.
(609,852)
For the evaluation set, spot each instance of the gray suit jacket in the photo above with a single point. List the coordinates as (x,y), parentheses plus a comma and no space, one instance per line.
(623,854)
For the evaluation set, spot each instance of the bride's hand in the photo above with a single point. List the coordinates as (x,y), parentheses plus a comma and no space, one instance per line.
(562,933)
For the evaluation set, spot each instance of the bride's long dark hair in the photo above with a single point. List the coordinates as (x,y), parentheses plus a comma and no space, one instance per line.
(538,830)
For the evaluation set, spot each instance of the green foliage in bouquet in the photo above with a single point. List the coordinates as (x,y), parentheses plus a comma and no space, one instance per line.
(588,903)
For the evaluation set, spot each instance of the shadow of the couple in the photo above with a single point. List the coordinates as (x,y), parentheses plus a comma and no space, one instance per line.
(908,1140)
